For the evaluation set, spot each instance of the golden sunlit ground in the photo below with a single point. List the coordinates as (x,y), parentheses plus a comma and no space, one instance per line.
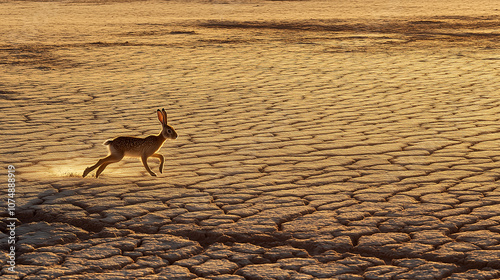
(317,139)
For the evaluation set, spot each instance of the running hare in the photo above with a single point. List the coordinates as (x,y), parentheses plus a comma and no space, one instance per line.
(136,147)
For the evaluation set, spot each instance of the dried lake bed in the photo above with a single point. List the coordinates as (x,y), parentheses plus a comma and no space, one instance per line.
(317,139)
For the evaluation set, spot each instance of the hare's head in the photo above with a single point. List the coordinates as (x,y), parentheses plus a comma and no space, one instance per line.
(167,131)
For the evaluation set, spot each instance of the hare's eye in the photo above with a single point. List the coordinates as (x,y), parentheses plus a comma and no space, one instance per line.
(169,131)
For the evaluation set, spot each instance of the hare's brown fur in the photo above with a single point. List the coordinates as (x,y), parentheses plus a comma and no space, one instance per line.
(136,147)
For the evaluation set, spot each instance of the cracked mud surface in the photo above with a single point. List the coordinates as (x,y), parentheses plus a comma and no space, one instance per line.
(321,141)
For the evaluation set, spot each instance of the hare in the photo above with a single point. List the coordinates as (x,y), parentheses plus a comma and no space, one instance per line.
(136,147)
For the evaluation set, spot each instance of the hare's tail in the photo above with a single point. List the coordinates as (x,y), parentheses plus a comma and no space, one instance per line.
(107,142)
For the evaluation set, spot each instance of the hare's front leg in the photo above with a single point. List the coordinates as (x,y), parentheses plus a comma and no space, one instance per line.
(145,163)
(162,160)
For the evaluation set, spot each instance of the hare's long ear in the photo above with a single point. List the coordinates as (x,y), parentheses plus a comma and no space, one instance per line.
(164,114)
(161,117)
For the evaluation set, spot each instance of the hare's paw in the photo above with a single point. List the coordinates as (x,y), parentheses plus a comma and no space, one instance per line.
(152,173)
(86,172)
(161,164)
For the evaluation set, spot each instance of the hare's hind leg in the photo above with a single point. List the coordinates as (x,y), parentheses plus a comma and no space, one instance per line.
(108,160)
(90,168)
(103,161)
(145,163)
(162,160)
